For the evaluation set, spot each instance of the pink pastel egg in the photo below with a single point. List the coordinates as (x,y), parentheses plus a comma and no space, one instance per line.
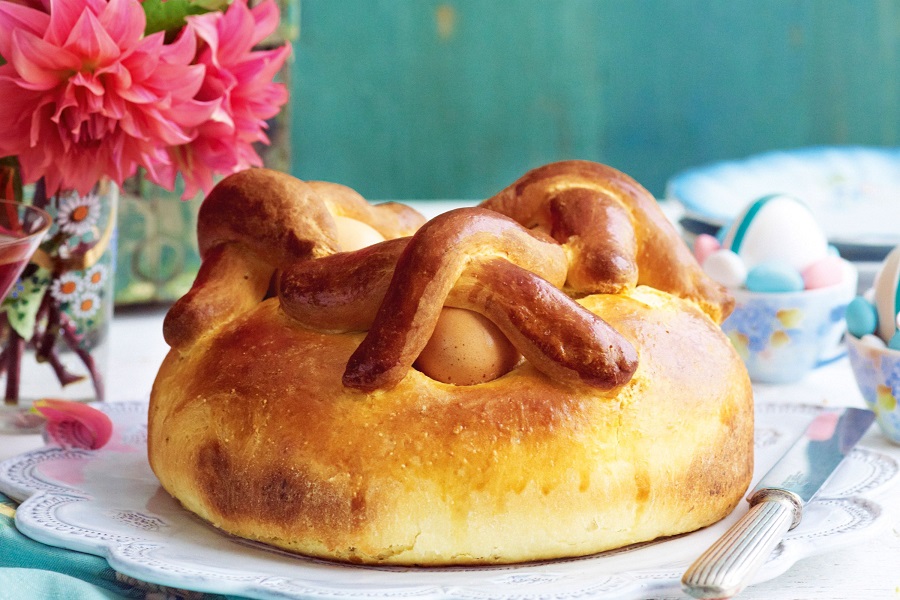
(704,245)
(824,272)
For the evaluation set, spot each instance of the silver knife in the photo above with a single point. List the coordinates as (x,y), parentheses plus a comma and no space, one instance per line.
(776,504)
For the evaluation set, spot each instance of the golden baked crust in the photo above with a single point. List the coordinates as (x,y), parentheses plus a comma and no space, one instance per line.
(253,427)
(254,432)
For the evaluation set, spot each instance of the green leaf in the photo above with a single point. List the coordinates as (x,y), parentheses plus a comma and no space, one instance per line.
(21,306)
(212,5)
(169,16)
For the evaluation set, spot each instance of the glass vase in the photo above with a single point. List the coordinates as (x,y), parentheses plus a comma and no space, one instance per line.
(54,325)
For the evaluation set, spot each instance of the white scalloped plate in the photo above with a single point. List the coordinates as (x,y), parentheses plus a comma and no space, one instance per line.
(109,503)
(853,191)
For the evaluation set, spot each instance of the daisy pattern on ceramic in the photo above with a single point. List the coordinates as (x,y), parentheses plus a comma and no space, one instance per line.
(67,287)
(86,306)
(95,277)
(78,214)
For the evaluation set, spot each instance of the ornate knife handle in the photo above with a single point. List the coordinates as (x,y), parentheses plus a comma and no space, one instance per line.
(729,564)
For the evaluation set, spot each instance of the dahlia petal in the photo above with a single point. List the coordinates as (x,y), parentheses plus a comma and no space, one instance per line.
(75,425)
(138,94)
(261,66)
(183,50)
(41,119)
(267,17)
(117,76)
(182,83)
(195,114)
(236,26)
(90,40)
(87,80)
(125,21)
(15,17)
(222,116)
(38,62)
(204,27)
(142,61)
(64,14)
(113,107)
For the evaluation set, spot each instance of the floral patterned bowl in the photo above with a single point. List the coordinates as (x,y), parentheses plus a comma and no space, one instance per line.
(877,372)
(782,336)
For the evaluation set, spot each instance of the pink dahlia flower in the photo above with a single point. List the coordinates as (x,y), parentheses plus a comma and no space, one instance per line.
(86,94)
(238,82)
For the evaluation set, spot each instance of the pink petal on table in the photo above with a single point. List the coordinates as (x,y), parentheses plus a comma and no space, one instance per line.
(75,425)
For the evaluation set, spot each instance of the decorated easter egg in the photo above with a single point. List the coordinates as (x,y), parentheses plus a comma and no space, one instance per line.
(862,318)
(777,228)
(774,277)
(886,295)
(726,268)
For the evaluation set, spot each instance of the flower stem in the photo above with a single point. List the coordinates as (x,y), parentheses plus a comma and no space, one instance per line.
(62,374)
(46,342)
(73,340)
(15,345)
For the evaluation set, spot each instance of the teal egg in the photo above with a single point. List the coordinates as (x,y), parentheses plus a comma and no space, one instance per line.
(894,344)
(774,277)
(862,318)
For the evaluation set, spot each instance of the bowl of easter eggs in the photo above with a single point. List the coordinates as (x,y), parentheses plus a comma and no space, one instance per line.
(791,287)
(873,344)
(852,191)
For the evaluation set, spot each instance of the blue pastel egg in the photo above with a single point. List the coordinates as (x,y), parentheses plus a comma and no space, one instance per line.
(862,318)
(774,277)
(894,344)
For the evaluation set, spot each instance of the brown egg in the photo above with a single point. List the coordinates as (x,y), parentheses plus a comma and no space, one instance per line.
(353,234)
(465,349)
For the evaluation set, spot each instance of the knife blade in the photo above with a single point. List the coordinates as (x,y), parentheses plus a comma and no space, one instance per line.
(776,504)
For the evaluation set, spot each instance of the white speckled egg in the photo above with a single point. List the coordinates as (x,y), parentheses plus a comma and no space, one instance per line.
(884,295)
(777,228)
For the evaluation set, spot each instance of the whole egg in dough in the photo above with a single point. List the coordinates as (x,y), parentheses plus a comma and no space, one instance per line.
(354,234)
(466,348)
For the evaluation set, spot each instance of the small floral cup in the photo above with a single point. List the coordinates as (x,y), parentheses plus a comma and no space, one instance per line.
(782,336)
(877,373)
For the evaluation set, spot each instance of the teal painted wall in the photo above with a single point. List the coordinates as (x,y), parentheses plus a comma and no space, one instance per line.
(455,99)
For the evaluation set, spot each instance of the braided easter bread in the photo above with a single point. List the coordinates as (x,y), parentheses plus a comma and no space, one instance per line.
(613,230)
(538,377)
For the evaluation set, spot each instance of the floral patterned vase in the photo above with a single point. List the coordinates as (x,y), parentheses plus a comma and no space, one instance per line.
(54,325)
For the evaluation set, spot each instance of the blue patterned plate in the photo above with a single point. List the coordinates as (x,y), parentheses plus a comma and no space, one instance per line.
(853,191)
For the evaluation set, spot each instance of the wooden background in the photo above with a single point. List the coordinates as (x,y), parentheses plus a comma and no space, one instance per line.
(417,99)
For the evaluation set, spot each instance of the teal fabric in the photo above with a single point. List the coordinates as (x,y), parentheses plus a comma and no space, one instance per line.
(31,570)
(18,584)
